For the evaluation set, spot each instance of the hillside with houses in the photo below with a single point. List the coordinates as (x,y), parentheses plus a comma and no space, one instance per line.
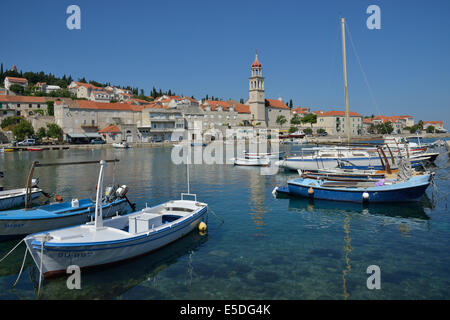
(88,110)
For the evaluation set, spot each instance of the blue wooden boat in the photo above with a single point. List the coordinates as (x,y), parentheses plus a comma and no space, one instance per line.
(354,191)
(19,223)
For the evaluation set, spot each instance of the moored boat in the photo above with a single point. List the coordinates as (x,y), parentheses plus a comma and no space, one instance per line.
(122,145)
(106,241)
(16,197)
(244,161)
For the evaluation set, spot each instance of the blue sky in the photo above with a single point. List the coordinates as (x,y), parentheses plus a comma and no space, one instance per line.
(207,47)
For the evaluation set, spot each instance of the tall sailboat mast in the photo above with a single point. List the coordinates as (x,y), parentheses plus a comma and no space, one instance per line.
(344,59)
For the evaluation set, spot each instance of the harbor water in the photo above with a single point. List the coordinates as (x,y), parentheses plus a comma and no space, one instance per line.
(256,247)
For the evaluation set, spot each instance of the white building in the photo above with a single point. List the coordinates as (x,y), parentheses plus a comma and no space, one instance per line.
(9,81)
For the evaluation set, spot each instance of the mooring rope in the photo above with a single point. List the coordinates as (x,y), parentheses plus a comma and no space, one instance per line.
(40,268)
(11,250)
(21,268)
(211,210)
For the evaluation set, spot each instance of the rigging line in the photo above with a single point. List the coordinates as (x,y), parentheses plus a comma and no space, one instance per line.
(372,96)
(333,61)
(362,70)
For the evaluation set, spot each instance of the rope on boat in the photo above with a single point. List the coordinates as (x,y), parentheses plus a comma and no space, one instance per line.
(210,210)
(21,268)
(40,268)
(11,250)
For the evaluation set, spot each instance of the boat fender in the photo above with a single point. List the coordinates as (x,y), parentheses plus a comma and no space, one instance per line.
(365,196)
(310,191)
(274,191)
(202,227)
(75,203)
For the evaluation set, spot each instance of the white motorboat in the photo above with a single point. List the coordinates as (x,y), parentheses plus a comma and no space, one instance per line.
(122,145)
(244,161)
(119,238)
(269,155)
(328,159)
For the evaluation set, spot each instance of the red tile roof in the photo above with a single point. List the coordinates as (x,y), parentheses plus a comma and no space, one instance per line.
(441,123)
(86,104)
(275,103)
(256,63)
(392,119)
(241,108)
(300,110)
(23,99)
(110,129)
(17,80)
(215,104)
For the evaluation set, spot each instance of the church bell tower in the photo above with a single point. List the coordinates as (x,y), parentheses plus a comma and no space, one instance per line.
(257,100)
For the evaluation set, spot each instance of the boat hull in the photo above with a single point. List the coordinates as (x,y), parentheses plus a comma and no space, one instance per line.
(13,228)
(400,192)
(18,200)
(261,162)
(58,257)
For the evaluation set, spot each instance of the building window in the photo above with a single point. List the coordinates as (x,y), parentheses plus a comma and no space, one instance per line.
(30,106)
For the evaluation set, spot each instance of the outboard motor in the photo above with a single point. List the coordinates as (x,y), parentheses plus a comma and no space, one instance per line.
(121,191)
(34,182)
(110,194)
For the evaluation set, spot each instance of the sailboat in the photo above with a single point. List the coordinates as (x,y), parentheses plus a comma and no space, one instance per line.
(405,186)
(103,242)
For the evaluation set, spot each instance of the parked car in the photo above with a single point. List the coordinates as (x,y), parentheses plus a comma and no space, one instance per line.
(98,141)
(322,134)
(27,142)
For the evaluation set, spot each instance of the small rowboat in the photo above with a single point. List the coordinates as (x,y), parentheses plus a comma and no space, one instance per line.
(16,197)
(6,150)
(34,149)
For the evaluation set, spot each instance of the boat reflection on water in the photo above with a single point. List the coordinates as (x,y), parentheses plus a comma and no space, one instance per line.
(414,211)
(113,281)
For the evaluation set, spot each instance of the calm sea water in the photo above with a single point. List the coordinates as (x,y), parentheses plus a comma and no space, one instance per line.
(266,248)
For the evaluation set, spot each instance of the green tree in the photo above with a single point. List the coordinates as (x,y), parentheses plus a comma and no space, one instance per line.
(9,122)
(41,133)
(385,128)
(54,131)
(23,130)
(420,125)
(290,103)
(321,130)
(307,131)
(431,129)
(310,118)
(51,108)
(296,119)
(281,120)
(17,89)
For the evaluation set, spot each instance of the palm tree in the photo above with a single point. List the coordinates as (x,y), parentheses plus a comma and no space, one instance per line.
(281,120)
